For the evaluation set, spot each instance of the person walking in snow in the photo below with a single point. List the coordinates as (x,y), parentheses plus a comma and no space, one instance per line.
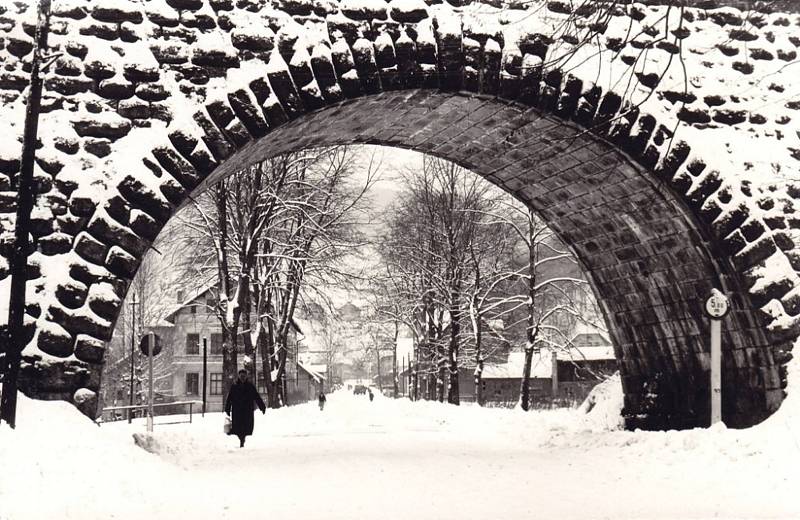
(371,395)
(241,401)
(322,400)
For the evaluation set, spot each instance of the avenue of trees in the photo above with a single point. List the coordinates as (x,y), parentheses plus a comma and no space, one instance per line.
(259,241)
(265,235)
(471,272)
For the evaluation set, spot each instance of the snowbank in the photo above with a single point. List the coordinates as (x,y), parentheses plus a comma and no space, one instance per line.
(603,405)
(394,459)
(59,464)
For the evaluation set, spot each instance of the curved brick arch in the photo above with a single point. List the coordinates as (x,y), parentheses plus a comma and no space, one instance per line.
(656,218)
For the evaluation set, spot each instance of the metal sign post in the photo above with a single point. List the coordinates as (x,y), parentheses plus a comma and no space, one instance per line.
(150,349)
(717,307)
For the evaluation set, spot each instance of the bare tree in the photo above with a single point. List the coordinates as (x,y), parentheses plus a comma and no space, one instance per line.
(275,227)
(150,299)
(429,240)
(542,281)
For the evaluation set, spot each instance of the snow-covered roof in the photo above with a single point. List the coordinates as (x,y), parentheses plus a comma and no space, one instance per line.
(496,325)
(317,367)
(583,328)
(308,331)
(601,353)
(541,367)
(193,295)
(542,362)
(162,323)
(316,376)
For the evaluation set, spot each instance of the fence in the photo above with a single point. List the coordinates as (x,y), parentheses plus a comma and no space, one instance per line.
(118,413)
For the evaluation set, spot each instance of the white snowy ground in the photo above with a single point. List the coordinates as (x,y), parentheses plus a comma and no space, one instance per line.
(395,459)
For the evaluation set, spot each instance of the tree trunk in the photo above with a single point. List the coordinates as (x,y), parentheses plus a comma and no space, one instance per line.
(268,362)
(395,388)
(478,357)
(525,386)
(229,360)
(531,331)
(479,382)
(280,378)
(432,375)
(452,356)
(247,325)
(378,366)
(414,367)
(441,372)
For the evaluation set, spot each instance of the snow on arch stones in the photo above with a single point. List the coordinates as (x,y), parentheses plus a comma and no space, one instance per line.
(686,134)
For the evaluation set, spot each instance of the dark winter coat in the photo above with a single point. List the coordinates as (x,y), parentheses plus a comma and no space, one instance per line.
(241,401)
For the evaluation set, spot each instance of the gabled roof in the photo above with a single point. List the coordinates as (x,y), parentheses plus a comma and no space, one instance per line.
(197,293)
(316,376)
(193,295)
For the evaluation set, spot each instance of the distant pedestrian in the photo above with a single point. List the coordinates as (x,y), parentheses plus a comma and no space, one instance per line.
(371,395)
(242,400)
(322,400)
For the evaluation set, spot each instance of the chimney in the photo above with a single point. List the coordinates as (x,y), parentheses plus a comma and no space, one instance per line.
(180,295)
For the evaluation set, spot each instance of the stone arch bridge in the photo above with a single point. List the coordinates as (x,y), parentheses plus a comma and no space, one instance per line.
(654,139)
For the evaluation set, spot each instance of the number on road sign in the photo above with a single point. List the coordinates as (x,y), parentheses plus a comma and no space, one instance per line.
(717,305)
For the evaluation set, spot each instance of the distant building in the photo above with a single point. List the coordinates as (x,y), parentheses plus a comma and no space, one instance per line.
(561,378)
(558,378)
(194,321)
(349,312)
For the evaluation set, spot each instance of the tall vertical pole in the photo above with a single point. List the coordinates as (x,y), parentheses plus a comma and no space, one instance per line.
(151,344)
(405,377)
(717,307)
(716,371)
(554,380)
(18,262)
(205,372)
(133,352)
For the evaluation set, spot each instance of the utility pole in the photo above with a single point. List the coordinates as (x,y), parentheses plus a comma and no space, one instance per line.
(205,372)
(133,352)
(15,339)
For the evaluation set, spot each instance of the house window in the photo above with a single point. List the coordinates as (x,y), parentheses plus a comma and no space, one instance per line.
(216,384)
(192,383)
(192,344)
(216,344)
(193,309)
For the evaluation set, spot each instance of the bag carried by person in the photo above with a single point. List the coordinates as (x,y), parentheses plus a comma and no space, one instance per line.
(227,426)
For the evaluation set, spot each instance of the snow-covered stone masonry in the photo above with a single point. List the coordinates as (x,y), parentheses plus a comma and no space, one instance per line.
(655,140)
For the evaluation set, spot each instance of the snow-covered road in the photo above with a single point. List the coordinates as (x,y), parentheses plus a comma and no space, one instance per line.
(395,459)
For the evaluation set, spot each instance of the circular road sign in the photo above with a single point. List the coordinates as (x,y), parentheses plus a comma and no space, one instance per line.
(144,344)
(717,305)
